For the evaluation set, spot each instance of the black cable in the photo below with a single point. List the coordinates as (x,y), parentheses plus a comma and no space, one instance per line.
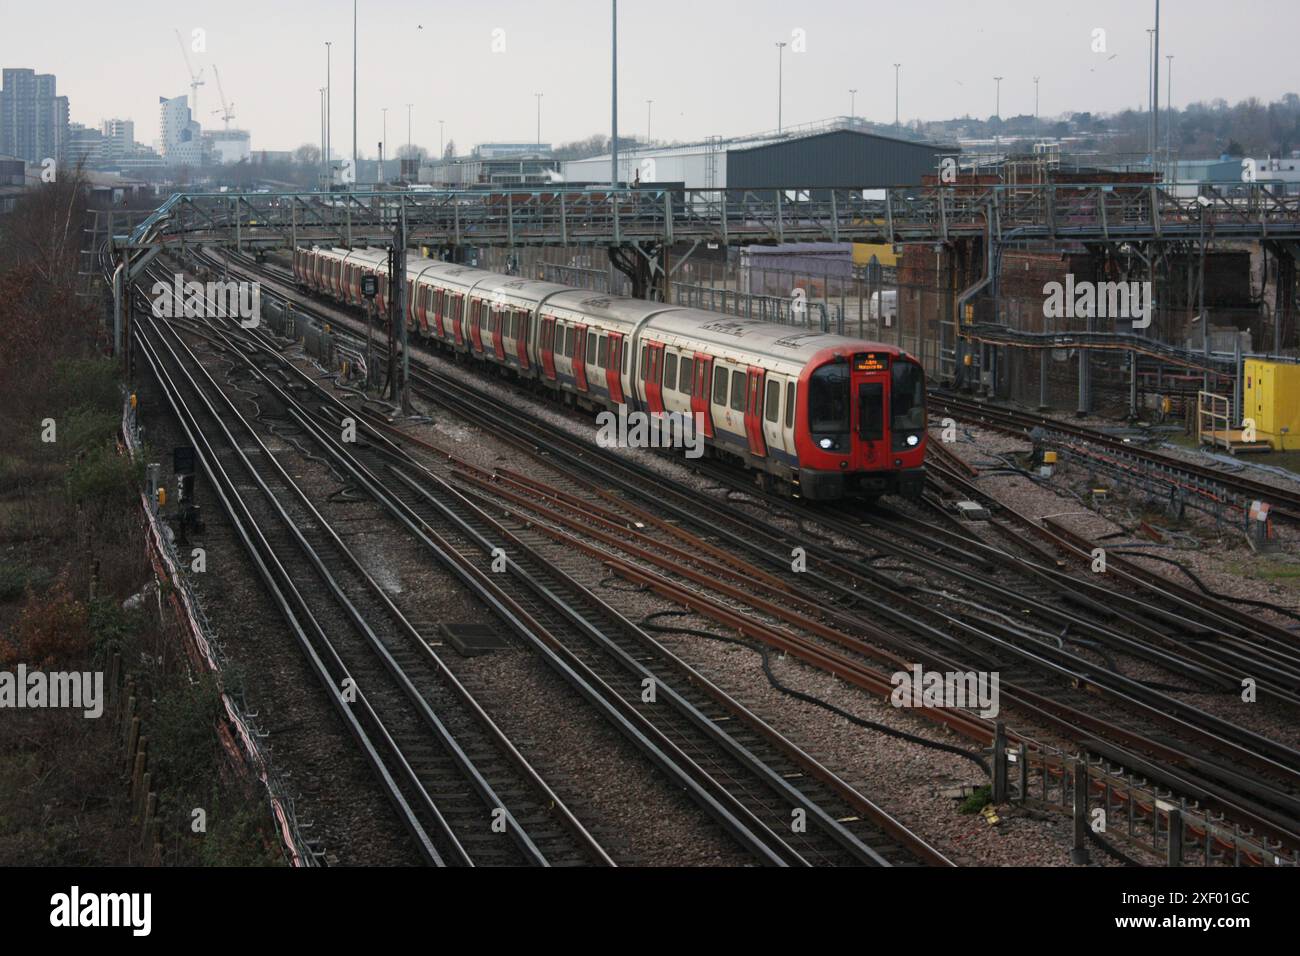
(1112,851)
(800,695)
(1206,590)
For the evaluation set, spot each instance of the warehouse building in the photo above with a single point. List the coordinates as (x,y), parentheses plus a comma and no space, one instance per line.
(835,156)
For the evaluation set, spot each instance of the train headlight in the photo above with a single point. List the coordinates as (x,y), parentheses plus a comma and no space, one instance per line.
(913,441)
(827,443)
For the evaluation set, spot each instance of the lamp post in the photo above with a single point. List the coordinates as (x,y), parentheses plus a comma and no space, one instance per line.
(649,115)
(998,112)
(539,119)
(780,83)
(1169,129)
(355,158)
(329,115)
(384,145)
(1036,124)
(897,67)
(853,106)
(613,100)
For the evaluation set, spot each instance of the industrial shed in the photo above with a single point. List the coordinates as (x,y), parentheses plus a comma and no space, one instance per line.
(834,156)
(840,159)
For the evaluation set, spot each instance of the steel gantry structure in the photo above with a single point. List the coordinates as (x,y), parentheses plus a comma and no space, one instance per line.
(451,218)
(638,226)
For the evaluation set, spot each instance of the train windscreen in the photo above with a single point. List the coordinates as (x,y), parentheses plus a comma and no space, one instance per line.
(828,406)
(907,405)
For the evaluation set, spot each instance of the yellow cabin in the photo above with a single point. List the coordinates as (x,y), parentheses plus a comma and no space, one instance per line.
(1271,396)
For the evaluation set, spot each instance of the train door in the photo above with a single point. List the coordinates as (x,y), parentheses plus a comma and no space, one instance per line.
(614,373)
(546,344)
(754,412)
(870,391)
(476,325)
(580,357)
(435,309)
(499,318)
(700,391)
(773,434)
(522,321)
(653,368)
(457,307)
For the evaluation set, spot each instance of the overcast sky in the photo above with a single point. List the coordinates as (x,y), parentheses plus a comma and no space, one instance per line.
(709,65)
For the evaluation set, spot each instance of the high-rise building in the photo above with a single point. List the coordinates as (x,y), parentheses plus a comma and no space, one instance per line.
(181,137)
(227,146)
(33,117)
(119,136)
(86,147)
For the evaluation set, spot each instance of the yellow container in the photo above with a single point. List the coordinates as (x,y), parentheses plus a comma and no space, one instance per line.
(1271,396)
(884,253)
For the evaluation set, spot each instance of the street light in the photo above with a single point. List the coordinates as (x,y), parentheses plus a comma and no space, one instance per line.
(853,105)
(441,130)
(1036,124)
(897,66)
(329,114)
(356,173)
(649,113)
(539,119)
(780,82)
(384,145)
(1169,130)
(613,100)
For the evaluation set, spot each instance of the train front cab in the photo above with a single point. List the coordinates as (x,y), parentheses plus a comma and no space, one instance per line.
(864,429)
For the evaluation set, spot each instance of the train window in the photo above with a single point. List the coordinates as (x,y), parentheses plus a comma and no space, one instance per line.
(670,370)
(602,353)
(645,362)
(774,401)
(789,405)
(907,404)
(719,386)
(871,411)
(737,392)
(828,401)
(685,375)
(569,339)
(591,348)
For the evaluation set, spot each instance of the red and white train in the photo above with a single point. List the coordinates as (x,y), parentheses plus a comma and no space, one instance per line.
(816,415)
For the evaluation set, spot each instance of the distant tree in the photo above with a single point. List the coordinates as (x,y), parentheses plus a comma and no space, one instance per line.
(413,152)
(450,152)
(308,154)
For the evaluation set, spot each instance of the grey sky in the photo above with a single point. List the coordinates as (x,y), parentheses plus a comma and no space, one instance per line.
(709,65)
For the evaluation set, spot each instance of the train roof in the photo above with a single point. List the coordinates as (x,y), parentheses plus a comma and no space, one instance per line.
(608,308)
(520,288)
(784,343)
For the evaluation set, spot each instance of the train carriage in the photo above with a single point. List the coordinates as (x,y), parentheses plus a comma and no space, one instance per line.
(819,415)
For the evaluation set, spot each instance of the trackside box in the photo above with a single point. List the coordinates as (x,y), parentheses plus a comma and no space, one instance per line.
(1272,398)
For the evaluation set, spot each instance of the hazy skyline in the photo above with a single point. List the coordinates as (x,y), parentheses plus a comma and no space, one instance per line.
(710,67)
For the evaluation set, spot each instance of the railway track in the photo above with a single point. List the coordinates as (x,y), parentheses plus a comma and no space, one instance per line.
(1072,711)
(1207,487)
(448,769)
(750,783)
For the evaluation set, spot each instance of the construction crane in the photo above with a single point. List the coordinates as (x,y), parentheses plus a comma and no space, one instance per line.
(227,110)
(196,79)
